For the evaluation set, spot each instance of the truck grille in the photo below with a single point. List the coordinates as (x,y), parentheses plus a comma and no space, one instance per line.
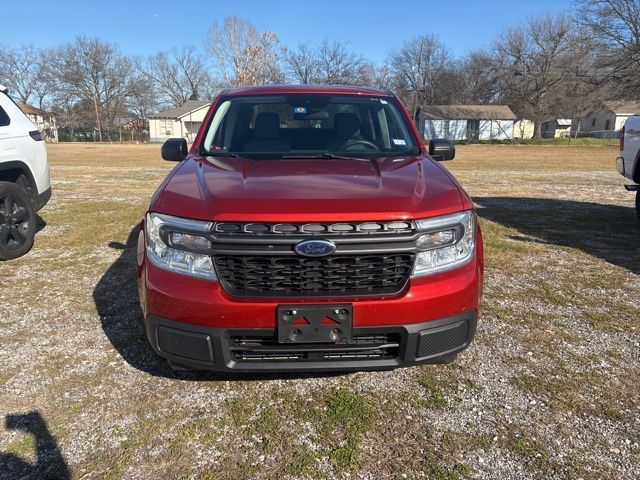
(339,275)
(259,259)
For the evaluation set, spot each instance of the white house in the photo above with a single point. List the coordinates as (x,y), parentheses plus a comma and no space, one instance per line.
(183,121)
(468,122)
(607,119)
(45,121)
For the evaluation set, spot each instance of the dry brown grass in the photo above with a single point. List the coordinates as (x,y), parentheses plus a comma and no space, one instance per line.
(549,389)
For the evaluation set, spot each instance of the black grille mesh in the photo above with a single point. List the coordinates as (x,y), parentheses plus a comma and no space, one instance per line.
(381,346)
(339,275)
(188,345)
(350,228)
(442,341)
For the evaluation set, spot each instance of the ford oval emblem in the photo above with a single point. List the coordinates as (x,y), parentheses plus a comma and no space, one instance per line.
(315,248)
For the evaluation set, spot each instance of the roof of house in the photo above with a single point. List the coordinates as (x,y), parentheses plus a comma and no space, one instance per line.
(466,112)
(187,107)
(31,110)
(623,108)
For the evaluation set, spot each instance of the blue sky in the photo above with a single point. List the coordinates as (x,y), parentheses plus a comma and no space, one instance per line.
(372,27)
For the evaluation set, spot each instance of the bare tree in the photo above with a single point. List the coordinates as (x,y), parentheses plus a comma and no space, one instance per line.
(244,56)
(534,63)
(178,75)
(302,64)
(615,25)
(419,65)
(328,63)
(143,98)
(337,64)
(24,71)
(477,78)
(94,71)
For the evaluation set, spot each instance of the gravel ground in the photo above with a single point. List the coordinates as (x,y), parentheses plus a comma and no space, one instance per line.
(550,388)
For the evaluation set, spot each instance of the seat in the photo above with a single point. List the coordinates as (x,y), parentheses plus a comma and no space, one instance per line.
(346,126)
(265,136)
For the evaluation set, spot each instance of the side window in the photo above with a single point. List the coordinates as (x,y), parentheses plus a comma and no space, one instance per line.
(4,118)
(607,125)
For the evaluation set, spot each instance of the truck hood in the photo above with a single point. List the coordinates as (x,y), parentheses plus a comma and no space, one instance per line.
(240,189)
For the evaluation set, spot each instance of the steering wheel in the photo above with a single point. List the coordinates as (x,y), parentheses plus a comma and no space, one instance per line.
(356,142)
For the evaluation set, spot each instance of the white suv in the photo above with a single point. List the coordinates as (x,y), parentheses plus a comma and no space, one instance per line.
(628,163)
(25,186)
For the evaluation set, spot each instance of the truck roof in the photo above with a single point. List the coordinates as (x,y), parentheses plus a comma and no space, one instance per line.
(317,89)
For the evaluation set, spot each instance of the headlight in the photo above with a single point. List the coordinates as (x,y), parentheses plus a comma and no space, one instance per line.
(447,242)
(172,244)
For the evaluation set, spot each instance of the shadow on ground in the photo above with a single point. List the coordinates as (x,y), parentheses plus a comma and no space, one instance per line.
(609,232)
(40,223)
(49,460)
(117,301)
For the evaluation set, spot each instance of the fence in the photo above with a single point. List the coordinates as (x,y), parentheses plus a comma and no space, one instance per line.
(111,136)
(473,136)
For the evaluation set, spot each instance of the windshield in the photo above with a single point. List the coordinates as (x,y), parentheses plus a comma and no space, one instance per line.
(308,125)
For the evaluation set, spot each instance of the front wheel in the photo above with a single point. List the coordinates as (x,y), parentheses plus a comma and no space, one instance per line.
(17,221)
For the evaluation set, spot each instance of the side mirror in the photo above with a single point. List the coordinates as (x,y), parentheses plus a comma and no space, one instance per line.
(174,149)
(441,149)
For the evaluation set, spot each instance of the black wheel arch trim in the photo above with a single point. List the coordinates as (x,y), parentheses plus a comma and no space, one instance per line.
(24,169)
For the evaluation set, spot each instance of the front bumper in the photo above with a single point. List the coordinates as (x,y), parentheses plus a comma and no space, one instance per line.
(257,350)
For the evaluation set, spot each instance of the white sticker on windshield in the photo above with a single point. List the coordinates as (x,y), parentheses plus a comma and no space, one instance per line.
(383,102)
(399,141)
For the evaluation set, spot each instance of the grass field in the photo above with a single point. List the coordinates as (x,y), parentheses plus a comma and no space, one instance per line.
(550,388)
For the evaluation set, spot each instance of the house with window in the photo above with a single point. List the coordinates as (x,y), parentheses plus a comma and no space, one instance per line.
(45,121)
(183,121)
(468,122)
(608,119)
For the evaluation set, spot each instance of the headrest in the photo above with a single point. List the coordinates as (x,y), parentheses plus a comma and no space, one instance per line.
(267,125)
(346,125)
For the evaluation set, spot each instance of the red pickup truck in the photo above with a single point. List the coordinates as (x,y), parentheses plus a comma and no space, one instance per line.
(308,228)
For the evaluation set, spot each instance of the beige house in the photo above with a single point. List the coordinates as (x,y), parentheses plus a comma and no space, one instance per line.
(45,121)
(607,119)
(183,121)
(523,129)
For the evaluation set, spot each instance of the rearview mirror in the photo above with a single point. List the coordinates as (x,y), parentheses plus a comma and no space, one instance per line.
(174,149)
(441,149)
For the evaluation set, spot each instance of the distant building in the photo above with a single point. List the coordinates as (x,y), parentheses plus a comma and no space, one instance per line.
(606,120)
(45,121)
(523,129)
(468,122)
(559,128)
(183,121)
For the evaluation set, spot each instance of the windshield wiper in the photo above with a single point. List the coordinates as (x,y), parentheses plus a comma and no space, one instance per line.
(222,154)
(327,156)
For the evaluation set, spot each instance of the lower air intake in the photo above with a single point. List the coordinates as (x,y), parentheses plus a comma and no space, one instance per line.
(183,344)
(438,341)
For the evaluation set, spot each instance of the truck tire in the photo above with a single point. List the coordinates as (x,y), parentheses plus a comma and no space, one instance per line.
(17,221)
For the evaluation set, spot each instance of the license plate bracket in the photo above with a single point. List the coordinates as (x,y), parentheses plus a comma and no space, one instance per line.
(315,323)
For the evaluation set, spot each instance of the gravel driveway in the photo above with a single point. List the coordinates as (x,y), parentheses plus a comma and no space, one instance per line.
(550,388)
